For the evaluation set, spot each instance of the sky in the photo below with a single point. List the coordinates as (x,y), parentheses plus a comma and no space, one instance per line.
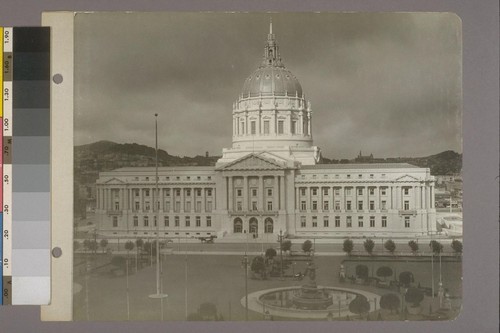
(382,83)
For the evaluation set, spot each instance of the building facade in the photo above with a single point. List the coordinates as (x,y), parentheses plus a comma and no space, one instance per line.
(269,181)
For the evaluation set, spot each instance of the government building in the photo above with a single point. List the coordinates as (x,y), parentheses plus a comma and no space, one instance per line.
(270,180)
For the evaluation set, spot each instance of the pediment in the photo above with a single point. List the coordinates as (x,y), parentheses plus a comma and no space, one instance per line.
(253,162)
(114,180)
(407,178)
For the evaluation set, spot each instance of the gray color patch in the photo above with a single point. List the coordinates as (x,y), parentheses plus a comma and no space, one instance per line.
(31,235)
(31,150)
(31,178)
(30,206)
(31,122)
(31,94)
(30,262)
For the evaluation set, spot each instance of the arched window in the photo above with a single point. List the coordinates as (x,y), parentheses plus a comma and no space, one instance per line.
(268,225)
(238,226)
(253,226)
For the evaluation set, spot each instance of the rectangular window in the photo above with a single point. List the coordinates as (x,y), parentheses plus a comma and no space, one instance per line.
(242,128)
(384,221)
(117,205)
(372,205)
(314,221)
(337,204)
(371,176)
(254,192)
(198,221)
(383,205)
(209,206)
(293,128)
(325,191)
(348,221)
(136,193)
(115,221)
(303,205)
(239,206)
(198,206)
(137,205)
(266,126)
(188,192)
(209,221)
(337,191)
(178,191)
(147,206)
(187,221)
(155,221)
(372,191)
(269,205)
(348,205)
(406,191)
(302,221)
(383,191)
(281,125)
(360,191)
(314,191)
(360,205)
(167,206)
(209,191)
(177,221)
(347,191)
(146,192)
(253,127)
(325,221)
(269,192)
(254,205)
(303,191)
(166,221)
(146,221)
(372,221)
(337,221)
(407,221)
(239,192)
(198,192)
(407,205)
(360,221)
(314,205)
(188,206)
(325,205)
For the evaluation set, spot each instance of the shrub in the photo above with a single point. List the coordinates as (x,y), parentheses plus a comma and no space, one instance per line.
(348,246)
(413,246)
(307,246)
(270,253)
(414,296)
(390,302)
(369,245)
(390,246)
(457,246)
(405,278)
(384,271)
(129,246)
(359,305)
(436,247)
(286,245)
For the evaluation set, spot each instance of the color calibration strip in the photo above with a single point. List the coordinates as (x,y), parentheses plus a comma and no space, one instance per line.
(26,169)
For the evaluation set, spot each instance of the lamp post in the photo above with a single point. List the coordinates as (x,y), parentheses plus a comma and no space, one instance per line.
(281,254)
(245,266)
(156,208)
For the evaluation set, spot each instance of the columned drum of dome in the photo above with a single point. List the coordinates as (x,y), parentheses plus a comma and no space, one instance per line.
(272,114)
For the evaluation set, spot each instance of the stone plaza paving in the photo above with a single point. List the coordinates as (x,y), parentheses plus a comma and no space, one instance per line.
(218,277)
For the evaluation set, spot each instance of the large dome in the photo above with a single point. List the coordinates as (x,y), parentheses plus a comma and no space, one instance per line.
(271,80)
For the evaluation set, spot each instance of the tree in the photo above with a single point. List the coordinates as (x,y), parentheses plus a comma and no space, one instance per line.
(348,246)
(359,305)
(384,271)
(406,278)
(414,296)
(307,246)
(390,302)
(390,246)
(457,246)
(258,266)
(362,271)
(129,246)
(436,247)
(413,246)
(369,245)
(139,243)
(104,244)
(271,253)
(286,245)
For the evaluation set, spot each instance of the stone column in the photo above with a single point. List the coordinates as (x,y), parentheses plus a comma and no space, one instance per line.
(308,198)
(297,198)
(261,205)
(230,193)
(392,197)
(275,193)
(320,199)
(282,192)
(245,194)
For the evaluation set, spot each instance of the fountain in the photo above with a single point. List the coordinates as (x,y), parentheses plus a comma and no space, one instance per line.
(309,296)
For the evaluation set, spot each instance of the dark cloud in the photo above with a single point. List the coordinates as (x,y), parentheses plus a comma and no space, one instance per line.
(387,84)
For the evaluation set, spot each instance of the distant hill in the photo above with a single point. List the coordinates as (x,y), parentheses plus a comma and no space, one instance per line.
(445,163)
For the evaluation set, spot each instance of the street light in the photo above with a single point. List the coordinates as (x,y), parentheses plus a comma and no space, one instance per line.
(159,295)
(281,254)
(245,265)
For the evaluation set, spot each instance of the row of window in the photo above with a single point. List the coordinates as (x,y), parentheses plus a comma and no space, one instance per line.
(348,191)
(349,205)
(266,124)
(166,221)
(254,192)
(348,221)
(177,192)
(348,176)
(254,206)
(167,206)
(176,178)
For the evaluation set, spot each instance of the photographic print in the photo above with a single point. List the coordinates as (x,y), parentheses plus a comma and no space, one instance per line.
(267,166)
